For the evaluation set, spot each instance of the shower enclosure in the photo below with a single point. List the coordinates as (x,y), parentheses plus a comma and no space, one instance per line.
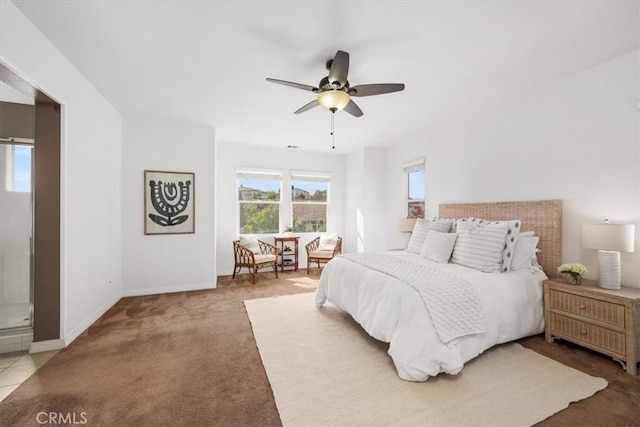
(16,229)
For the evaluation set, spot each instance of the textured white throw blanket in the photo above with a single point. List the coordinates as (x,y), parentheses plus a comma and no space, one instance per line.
(452,304)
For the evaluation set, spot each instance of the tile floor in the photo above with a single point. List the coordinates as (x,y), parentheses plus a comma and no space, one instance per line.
(16,367)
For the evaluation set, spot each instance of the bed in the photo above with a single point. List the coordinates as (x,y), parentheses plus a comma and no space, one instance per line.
(421,342)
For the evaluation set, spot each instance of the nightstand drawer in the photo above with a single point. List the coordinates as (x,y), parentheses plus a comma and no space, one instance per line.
(602,311)
(584,332)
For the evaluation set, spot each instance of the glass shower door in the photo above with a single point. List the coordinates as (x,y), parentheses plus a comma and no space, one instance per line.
(16,224)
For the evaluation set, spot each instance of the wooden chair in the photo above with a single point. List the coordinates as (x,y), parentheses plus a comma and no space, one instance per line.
(246,258)
(314,255)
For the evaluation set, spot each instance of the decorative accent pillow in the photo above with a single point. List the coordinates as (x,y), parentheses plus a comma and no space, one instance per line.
(251,243)
(328,242)
(440,224)
(418,235)
(513,229)
(524,252)
(479,248)
(453,222)
(438,246)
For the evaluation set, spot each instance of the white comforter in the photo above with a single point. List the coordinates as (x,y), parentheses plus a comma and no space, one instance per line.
(391,311)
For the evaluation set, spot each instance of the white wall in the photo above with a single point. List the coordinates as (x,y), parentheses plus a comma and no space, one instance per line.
(354,202)
(233,156)
(576,139)
(91,167)
(177,262)
(365,201)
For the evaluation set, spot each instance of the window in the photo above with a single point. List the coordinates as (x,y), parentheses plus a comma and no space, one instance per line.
(259,202)
(18,168)
(414,175)
(309,199)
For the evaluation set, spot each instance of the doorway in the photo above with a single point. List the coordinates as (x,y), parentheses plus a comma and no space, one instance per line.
(16,232)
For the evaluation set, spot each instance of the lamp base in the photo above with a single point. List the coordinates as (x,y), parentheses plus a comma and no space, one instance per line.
(610,270)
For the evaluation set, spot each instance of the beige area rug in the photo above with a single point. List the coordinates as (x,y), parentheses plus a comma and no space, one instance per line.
(326,371)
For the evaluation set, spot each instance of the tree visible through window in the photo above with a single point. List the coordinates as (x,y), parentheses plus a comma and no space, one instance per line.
(309,196)
(259,202)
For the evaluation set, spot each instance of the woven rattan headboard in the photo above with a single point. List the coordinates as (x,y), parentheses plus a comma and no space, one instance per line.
(544,217)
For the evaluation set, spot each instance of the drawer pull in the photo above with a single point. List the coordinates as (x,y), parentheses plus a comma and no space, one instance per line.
(583,332)
(582,306)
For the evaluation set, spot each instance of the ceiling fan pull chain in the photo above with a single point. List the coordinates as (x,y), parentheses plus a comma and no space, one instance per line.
(333,137)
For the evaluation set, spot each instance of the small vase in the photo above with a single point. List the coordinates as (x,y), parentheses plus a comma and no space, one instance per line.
(574,280)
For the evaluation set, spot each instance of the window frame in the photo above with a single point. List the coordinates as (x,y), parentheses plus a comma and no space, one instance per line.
(407,169)
(312,176)
(278,176)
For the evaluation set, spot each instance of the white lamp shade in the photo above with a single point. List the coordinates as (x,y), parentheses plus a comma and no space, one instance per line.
(608,237)
(406,225)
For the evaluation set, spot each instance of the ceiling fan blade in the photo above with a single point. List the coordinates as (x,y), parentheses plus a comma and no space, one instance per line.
(308,106)
(293,84)
(339,69)
(353,109)
(376,89)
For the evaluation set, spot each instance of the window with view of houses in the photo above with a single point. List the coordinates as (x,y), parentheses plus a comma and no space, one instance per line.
(414,175)
(259,202)
(309,198)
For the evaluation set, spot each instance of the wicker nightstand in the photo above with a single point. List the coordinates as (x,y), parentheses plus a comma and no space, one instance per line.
(604,320)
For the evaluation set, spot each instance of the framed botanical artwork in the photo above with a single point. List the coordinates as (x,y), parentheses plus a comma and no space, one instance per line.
(169,202)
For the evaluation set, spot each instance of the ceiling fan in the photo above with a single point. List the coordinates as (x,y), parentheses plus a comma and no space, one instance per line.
(334,91)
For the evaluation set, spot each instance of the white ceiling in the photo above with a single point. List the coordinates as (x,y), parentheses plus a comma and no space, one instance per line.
(205,62)
(9,94)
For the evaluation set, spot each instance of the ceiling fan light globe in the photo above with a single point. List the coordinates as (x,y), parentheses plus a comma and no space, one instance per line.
(333,99)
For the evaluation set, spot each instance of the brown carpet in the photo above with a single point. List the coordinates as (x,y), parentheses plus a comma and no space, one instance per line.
(190,359)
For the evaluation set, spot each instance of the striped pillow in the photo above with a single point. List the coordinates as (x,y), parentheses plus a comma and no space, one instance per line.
(479,248)
(420,231)
(418,236)
(513,229)
(441,225)
(452,222)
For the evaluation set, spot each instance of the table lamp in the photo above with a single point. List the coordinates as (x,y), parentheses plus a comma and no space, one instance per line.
(609,240)
(406,225)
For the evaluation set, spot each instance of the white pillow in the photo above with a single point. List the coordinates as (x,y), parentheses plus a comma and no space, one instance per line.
(441,225)
(328,242)
(524,253)
(513,229)
(479,248)
(438,246)
(251,243)
(418,235)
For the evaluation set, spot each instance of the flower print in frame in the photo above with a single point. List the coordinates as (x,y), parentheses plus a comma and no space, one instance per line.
(169,206)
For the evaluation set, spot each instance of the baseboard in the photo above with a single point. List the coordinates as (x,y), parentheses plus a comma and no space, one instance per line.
(71,336)
(168,290)
(48,345)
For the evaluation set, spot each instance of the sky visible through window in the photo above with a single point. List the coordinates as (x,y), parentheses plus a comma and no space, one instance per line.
(271,185)
(260,184)
(22,169)
(416,185)
(310,186)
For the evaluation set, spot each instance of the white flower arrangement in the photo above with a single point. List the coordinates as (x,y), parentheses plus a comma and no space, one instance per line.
(573,272)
